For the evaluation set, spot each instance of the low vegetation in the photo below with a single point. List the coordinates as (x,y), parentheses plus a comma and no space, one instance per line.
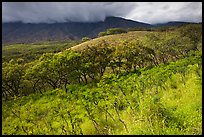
(152,101)
(112,31)
(139,85)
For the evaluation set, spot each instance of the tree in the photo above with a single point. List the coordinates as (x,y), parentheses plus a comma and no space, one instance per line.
(12,78)
(112,31)
(56,69)
(194,33)
(84,39)
(102,34)
(103,57)
(33,77)
(155,42)
(115,31)
(69,63)
(95,60)
(45,70)
(117,59)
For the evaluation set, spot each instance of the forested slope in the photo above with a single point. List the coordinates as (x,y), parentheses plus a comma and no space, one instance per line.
(166,99)
(148,84)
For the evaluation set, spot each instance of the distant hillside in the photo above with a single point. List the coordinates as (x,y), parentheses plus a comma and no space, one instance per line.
(18,32)
(29,33)
(172,23)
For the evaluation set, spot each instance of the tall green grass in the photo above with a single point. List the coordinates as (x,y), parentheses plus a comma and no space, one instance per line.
(163,100)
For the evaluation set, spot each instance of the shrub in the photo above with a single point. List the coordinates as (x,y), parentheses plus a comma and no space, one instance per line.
(112,31)
(115,31)
(102,34)
(84,39)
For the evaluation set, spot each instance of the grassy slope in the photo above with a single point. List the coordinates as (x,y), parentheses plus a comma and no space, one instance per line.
(30,52)
(33,51)
(111,39)
(174,109)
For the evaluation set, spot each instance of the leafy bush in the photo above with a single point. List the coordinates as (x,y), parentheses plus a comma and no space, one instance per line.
(112,31)
(115,31)
(102,34)
(84,39)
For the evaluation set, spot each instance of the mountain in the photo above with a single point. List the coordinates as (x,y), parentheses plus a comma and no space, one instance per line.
(18,32)
(172,23)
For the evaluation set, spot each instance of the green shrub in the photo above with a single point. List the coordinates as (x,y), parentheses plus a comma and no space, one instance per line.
(102,34)
(112,31)
(84,39)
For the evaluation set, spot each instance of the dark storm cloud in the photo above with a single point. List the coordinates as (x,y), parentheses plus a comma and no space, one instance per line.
(149,12)
(63,11)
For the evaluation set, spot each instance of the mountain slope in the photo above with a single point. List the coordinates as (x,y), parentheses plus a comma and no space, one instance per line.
(18,32)
(29,33)
(172,23)
(143,109)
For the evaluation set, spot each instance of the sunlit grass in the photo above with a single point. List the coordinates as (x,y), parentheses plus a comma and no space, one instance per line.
(111,39)
(175,109)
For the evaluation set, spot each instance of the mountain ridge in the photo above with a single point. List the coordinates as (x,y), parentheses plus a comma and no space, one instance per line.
(19,32)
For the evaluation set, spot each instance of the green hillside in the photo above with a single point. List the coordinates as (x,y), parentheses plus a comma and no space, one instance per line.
(111,39)
(166,99)
(140,82)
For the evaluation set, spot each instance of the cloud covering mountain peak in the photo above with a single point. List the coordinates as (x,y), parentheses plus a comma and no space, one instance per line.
(149,12)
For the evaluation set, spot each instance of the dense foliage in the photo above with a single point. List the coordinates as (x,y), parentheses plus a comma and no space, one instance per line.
(84,39)
(112,31)
(150,101)
(67,67)
(132,79)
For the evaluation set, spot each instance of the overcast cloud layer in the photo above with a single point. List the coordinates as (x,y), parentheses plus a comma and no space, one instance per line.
(149,12)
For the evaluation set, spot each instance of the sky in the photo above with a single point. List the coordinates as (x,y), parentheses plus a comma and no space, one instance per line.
(148,12)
